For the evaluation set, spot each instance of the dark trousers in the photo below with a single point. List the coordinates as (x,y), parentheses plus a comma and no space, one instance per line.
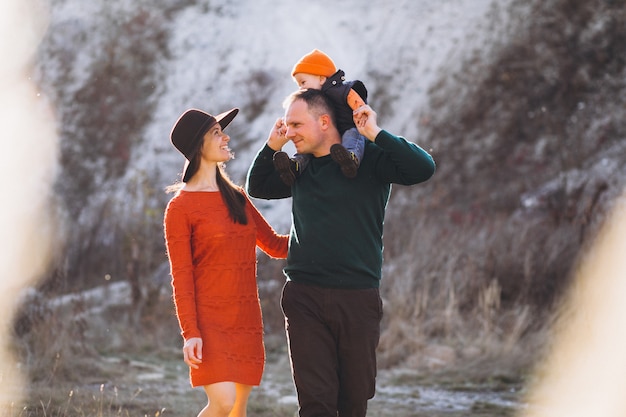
(332,336)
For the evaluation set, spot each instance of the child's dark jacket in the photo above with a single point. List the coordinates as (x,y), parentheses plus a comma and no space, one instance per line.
(337,88)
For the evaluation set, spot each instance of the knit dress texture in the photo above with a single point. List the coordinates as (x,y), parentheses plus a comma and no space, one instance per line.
(213,266)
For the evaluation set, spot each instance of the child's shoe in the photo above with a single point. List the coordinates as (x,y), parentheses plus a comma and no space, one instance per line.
(286,167)
(346,160)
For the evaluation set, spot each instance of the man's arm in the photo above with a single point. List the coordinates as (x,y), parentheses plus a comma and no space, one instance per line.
(263,181)
(401,162)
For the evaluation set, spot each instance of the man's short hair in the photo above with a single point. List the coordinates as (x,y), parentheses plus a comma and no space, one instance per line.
(318,102)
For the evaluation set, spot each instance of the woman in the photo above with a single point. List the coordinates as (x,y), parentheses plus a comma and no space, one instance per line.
(211,233)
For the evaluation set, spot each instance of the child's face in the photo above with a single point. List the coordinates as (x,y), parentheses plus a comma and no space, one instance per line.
(306,81)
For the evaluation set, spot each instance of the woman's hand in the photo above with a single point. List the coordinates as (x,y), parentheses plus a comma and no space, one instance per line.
(192,351)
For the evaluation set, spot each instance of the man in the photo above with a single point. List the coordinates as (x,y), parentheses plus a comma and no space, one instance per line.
(331,301)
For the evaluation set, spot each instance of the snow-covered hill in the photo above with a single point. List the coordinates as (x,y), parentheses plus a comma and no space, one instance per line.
(243,54)
(222,54)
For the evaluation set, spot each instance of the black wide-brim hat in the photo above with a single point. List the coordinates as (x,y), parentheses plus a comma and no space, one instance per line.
(189,129)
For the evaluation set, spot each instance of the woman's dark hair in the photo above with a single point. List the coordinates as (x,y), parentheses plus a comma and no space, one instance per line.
(232,195)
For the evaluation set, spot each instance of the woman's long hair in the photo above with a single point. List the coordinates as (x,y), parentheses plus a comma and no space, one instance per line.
(232,195)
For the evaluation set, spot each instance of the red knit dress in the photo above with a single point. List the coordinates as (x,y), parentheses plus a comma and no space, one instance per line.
(213,265)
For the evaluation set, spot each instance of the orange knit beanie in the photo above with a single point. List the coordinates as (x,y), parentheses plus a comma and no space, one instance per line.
(315,62)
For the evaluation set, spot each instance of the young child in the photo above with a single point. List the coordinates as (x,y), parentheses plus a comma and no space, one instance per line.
(316,70)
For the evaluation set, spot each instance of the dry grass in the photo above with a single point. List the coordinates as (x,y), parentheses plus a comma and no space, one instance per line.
(92,362)
(457,298)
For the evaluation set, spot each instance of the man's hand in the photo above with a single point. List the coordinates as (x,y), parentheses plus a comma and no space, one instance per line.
(192,351)
(366,123)
(277,138)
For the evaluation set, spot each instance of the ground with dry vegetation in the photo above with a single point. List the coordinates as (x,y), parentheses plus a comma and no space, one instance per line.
(92,359)
(155,383)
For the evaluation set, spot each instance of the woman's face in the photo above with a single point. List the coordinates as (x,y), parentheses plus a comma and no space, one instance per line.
(215,145)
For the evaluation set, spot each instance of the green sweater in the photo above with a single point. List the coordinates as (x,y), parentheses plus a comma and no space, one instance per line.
(336,234)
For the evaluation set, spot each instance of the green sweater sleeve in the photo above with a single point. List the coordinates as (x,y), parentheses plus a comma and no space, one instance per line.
(402,162)
(262,180)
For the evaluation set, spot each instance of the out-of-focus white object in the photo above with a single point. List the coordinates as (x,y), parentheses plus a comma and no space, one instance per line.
(584,374)
(28,155)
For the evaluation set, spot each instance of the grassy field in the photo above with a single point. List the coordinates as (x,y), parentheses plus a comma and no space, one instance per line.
(85,357)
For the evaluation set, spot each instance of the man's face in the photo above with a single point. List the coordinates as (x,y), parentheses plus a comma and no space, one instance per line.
(304,129)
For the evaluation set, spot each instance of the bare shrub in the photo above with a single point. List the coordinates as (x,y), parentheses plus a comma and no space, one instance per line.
(52,344)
